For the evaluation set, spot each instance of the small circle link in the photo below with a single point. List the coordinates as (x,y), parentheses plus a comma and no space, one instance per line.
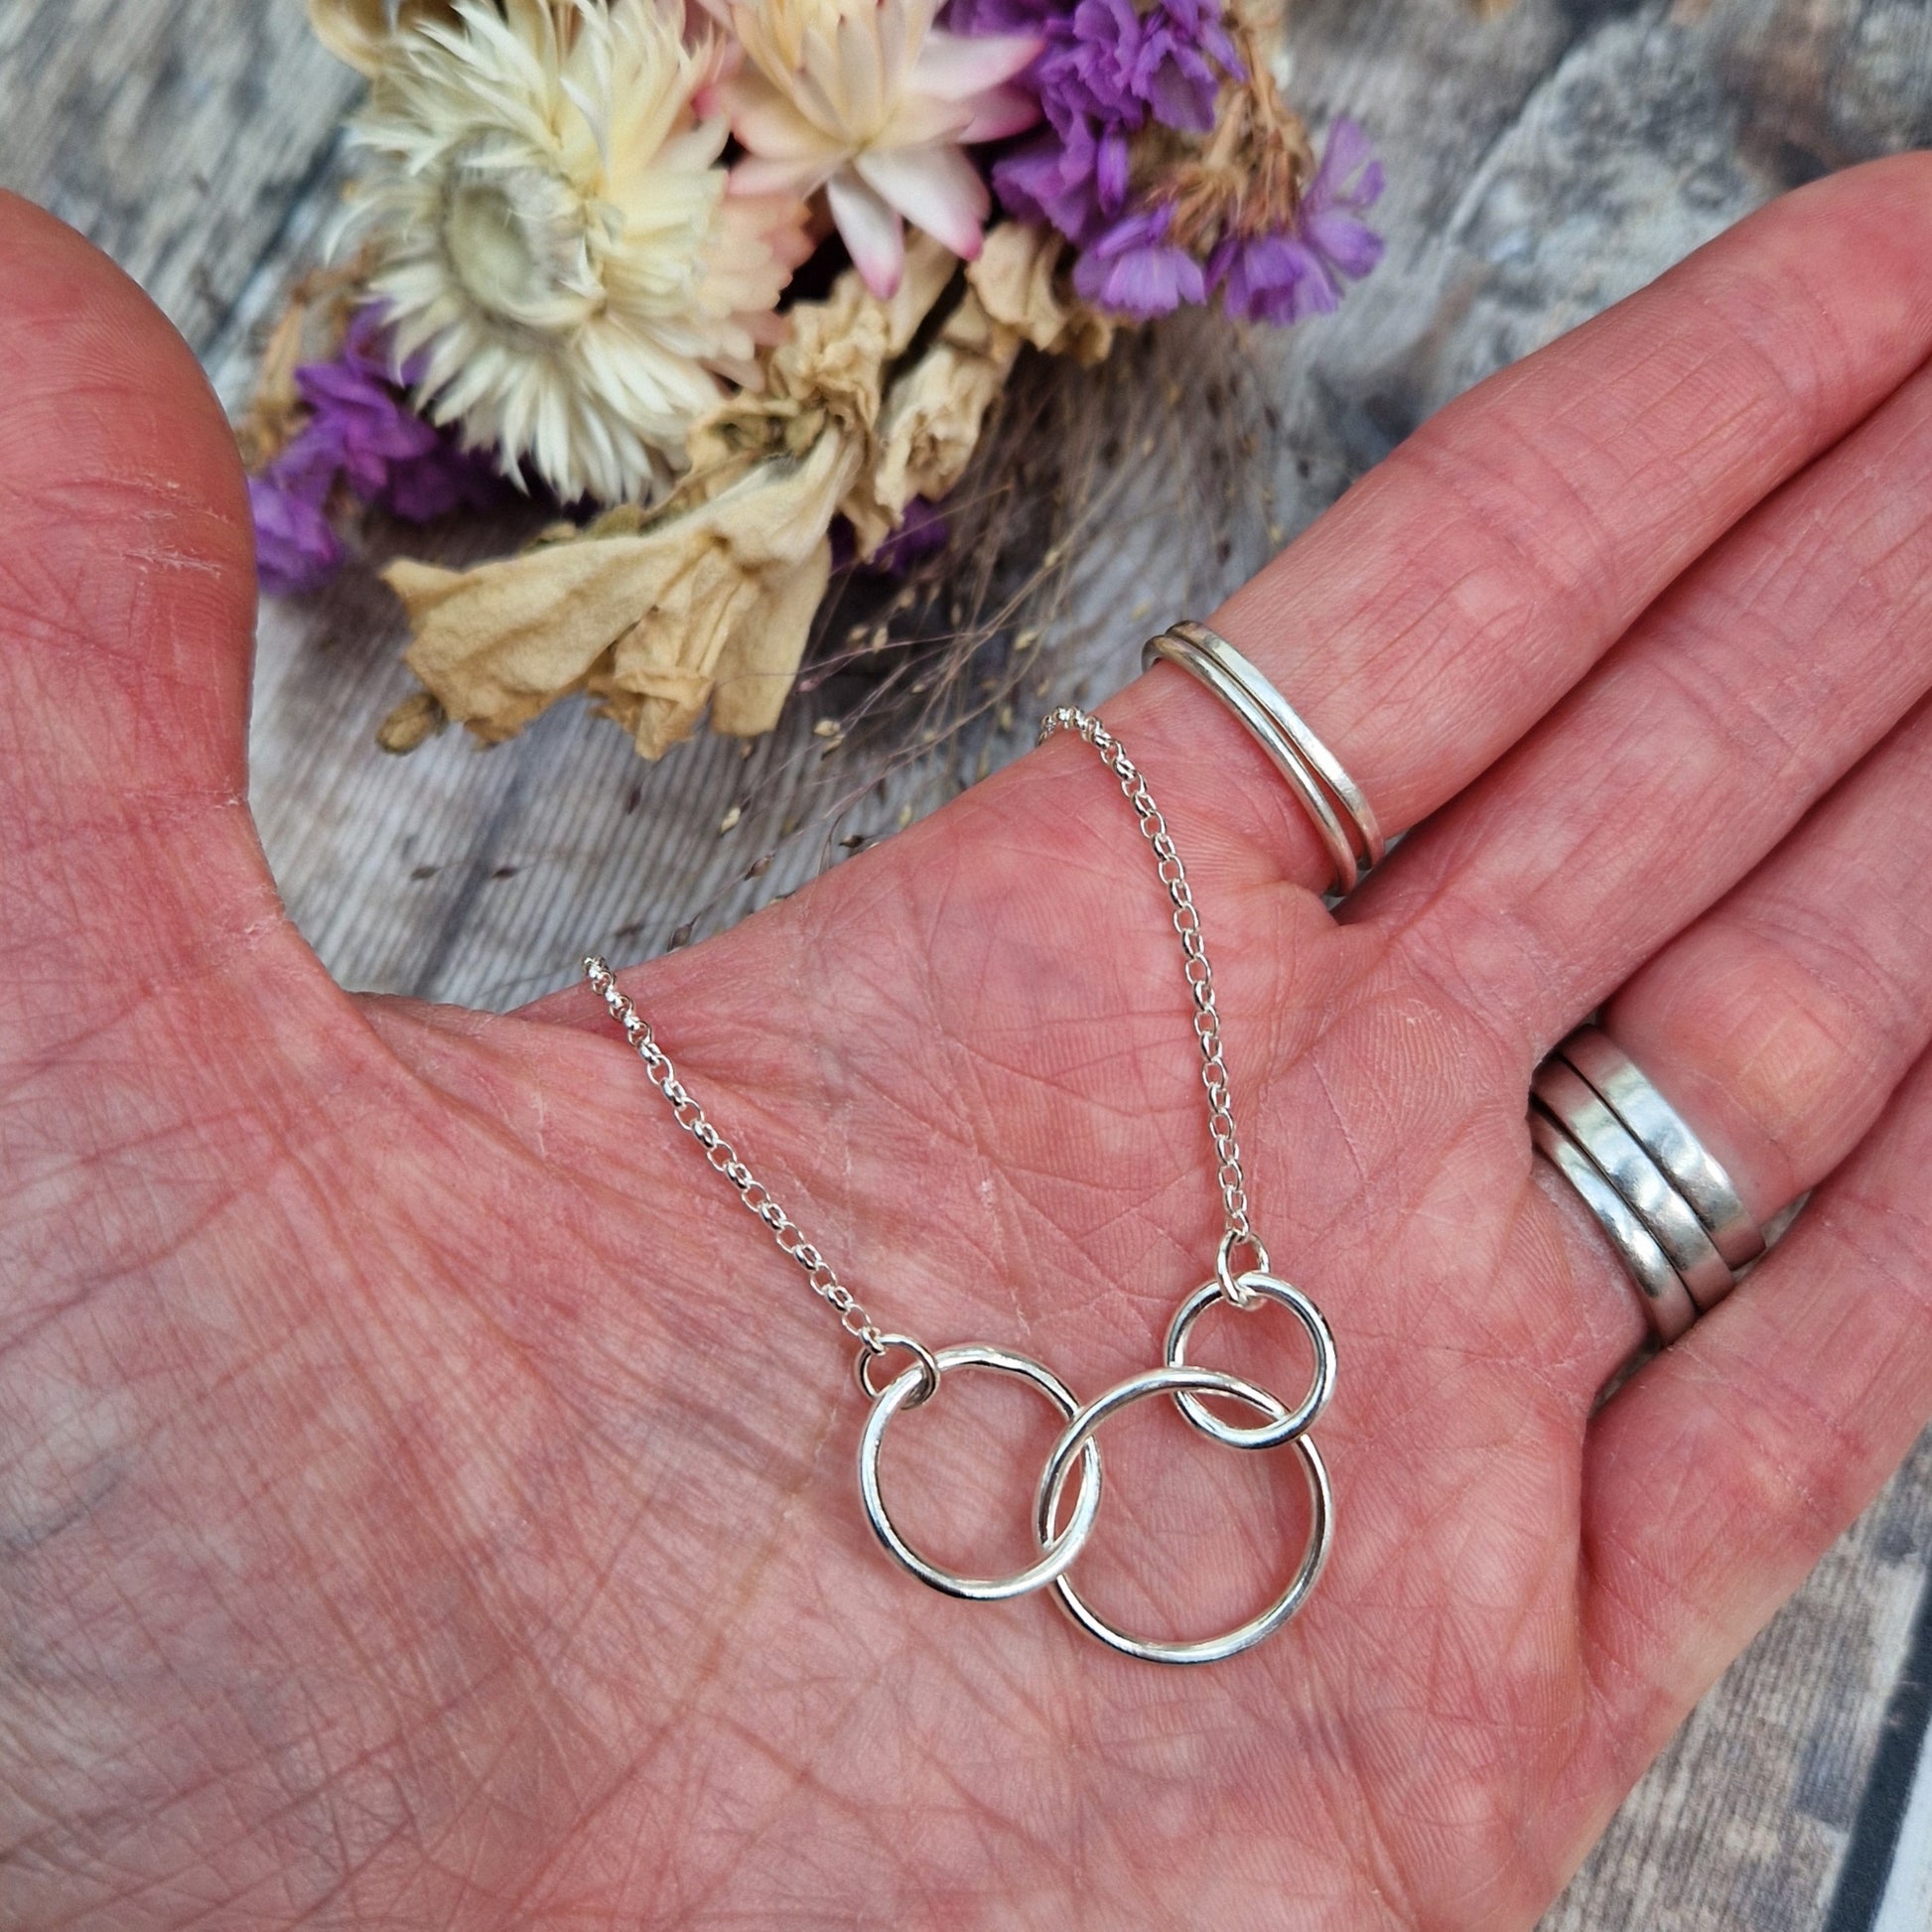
(1321,1384)
(1229,1283)
(873,1346)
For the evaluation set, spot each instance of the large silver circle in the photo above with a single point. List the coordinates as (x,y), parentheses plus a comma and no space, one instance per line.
(1077,1437)
(1269,1434)
(1060,1550)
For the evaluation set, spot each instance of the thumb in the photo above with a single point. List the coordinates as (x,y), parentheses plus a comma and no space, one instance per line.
(127,599)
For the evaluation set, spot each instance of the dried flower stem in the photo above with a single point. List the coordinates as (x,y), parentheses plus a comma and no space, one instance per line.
(310,328)
(1249,179)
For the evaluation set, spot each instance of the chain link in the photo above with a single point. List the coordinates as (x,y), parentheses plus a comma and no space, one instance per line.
(1200,983)
(663,1075)
(824,1282)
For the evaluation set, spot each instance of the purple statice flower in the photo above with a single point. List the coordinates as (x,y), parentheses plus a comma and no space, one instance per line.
(360,434)
(391,458)
(1114,63)
(923,532)
(1106,69)
(1186,52)
(1133,269)
(1056,179)
(1282,277)
(296,547)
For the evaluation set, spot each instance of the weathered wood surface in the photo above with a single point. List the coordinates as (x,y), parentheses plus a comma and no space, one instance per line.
(1541,164)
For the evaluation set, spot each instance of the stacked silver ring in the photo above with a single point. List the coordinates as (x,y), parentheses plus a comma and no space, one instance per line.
(1670,1209)
(1342,815)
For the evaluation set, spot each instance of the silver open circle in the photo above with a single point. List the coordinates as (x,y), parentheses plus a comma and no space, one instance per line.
(1060,1550)
(1269,1434)
(1077,1437)
(1233,1285)
(870,1352)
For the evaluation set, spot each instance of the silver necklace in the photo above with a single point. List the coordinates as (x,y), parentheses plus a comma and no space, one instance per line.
(1060,1542)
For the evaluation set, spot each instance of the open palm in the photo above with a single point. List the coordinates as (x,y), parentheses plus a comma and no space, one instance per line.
(427,1498)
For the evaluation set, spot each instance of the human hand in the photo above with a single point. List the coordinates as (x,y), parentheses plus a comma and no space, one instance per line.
(425,1497)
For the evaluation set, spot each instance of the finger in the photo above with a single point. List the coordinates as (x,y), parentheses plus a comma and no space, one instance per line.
(1742,696)
(1725,1469)
(1788,1014)
(1780,1023)
(127,602)
(1456,592)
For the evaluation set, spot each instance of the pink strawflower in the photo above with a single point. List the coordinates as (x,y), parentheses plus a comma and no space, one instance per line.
(868,100)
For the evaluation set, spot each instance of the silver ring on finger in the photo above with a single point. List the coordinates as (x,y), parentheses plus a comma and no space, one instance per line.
(1666,1301)
(1670,1219)
(1667,1137)
(1336,805)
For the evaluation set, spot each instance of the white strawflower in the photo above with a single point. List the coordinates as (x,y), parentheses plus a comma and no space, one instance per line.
(552,234)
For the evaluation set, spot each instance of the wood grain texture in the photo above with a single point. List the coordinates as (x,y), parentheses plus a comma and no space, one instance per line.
(1541,164)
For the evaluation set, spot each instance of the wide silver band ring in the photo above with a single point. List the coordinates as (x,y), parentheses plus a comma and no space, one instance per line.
(1342,817)
(1642,1184)
(1667,1138)
(1666,1301)
(1669,1209)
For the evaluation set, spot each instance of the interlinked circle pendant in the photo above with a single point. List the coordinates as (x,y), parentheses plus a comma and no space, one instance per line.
(1179,1380)
(1058,1551)
(1296,1421)
(1280,1426)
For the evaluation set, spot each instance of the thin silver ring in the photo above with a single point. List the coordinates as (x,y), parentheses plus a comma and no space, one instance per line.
(1314,772)
(1207,1650)
(1224,1275)
(1625,1164)
(1060,1550)
(1667,1137)
(1666,1301)
(1321,1384)
(1347,794)
(870,1350)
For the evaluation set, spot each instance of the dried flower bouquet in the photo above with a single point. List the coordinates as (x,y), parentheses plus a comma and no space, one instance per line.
(735,282)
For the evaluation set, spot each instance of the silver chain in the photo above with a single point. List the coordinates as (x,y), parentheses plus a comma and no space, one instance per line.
(853,1317)
(724,1156)
(1199,976)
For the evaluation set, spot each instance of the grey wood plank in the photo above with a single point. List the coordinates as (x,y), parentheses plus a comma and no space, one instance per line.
(183,139)
(1541,164)
(1907,1904)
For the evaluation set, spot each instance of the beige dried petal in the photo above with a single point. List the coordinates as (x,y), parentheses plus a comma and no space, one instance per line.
(500,642)
(645,623)
(737,607)
(840,346)
(759,660)
(932,421)
(359,32)
(1015,277)
(417,718)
